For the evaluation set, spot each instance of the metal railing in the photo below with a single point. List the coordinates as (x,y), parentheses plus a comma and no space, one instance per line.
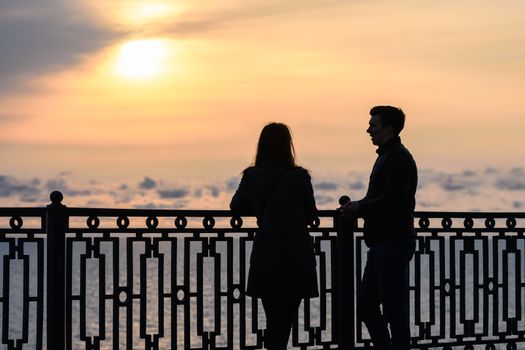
(175,279)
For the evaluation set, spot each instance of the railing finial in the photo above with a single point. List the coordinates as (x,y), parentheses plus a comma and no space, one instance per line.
(344,200)
(56,197)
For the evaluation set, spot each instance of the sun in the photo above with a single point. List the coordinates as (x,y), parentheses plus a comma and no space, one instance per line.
(142,59)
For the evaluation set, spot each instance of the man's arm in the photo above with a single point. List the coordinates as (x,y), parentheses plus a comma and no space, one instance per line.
(350,209)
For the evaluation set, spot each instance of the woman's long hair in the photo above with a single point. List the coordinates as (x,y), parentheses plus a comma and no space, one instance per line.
(275,146)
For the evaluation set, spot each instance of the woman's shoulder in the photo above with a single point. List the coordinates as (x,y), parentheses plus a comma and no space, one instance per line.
(295,171)
(299,172)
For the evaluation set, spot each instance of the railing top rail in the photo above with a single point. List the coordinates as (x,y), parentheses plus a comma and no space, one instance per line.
(22,211)
(84,211)
(165,212)
(467,214)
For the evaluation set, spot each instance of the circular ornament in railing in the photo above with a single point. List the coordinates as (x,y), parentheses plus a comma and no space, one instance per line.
(315,222)
(490,287)
(122,222)
(447,347)
(469,347)
(152,222)
(490,223)
(236,222)
(123,297)
(181,294)
(93,222)
(447,288)
(208,222)
(468,223)
(181,222)
(16,222)
(446,223)
(511,346)
(424,222)
(490,346)
(511,222)
(236,293)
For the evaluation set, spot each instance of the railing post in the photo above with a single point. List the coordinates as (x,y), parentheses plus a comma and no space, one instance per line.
(56,225)
(345,282)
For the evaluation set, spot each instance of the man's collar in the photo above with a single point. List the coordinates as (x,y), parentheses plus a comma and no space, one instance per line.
(394,141)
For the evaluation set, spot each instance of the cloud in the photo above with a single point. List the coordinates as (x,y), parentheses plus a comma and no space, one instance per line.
(148,183)
(60,184)
(40,37)
(9,186)
(208,190)
(232,183)
(73,193)
(490,170)
(205,20)
(498,190)
(151,205)
(511,184)
(322,200)
(453,184)
(28,200)
(214,191)
(176,193)
(513,180)
(56,184)
(467,180)
(326,186)
(428,204)
(356,185)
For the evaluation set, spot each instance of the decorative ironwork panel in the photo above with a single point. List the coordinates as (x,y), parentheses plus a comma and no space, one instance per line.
(467,281)
(176,279)
(22,254)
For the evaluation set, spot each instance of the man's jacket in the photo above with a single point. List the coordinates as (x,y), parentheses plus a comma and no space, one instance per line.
(388,207)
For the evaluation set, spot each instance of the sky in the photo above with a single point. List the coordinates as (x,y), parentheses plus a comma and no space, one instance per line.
(98,97)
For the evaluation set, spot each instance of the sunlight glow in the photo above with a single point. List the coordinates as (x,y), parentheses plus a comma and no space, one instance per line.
(154,10)
(136,14)
(141,12)
(142,58)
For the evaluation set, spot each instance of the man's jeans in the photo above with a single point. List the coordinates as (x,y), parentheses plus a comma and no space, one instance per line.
(386,282)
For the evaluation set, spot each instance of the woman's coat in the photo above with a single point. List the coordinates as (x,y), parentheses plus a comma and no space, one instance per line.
(282,263)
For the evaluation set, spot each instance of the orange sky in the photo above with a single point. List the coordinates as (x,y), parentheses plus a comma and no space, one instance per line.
(182,89)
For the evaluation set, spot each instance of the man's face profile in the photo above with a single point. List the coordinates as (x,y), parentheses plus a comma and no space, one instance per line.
(377,132)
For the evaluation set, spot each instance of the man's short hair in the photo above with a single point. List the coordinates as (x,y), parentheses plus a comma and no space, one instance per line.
(390,116)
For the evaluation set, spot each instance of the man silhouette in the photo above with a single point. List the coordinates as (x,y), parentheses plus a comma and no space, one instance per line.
(387,210)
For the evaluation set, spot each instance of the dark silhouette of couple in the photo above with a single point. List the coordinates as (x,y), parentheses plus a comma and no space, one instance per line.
(282,265)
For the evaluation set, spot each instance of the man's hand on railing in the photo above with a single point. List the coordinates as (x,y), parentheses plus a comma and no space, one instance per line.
(348,209)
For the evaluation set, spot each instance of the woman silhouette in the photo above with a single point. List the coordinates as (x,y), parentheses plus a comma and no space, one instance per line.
(282,264)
